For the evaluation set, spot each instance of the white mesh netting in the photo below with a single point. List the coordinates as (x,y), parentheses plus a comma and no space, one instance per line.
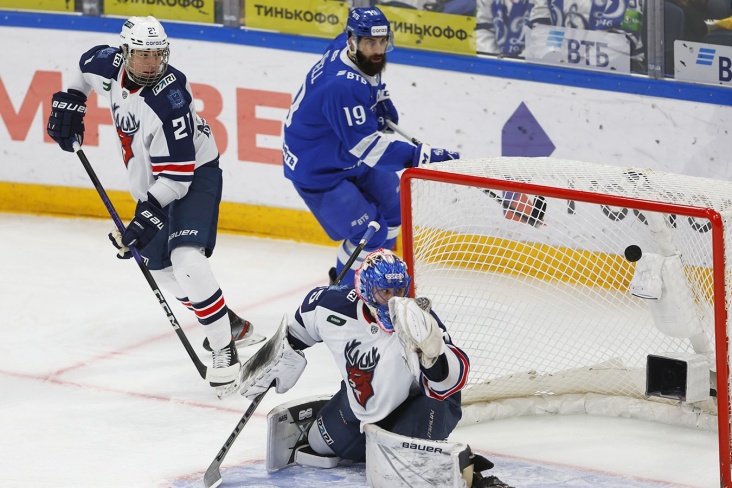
(544,310)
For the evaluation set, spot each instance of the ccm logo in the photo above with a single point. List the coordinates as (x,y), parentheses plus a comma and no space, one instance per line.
(420,447)
(71,107)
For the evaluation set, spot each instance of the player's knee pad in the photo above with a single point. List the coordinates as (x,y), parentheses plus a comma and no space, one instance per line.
(193,272)
(396,461)
(166,279)
(287,433)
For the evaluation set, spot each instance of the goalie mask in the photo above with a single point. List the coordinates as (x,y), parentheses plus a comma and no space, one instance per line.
(369,39)
(382,275)
(145,50)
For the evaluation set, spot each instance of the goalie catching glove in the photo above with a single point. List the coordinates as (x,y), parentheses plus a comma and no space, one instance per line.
(418,333)
(275,363)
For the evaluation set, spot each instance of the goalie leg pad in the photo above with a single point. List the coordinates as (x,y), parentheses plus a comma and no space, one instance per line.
(287,429)
(395,461)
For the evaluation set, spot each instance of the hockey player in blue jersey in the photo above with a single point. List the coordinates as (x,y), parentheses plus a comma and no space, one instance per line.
(172,164)
(335,149)
(401,382)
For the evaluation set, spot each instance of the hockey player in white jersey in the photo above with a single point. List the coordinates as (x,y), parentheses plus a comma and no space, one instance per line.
(335,149)
(173,171)
(401,378)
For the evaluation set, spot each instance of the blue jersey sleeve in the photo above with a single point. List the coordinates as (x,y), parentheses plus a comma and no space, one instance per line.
(102,60)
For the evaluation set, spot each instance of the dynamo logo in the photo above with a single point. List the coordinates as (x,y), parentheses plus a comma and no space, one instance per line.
(705,56)
(555,39)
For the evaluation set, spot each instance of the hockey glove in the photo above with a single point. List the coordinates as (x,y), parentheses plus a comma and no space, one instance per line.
(67,118)
(385,110)
(425,154)
(417,331)
(149,220)
(123,252)
(284,369)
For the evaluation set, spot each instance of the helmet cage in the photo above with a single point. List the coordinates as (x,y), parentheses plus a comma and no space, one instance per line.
(369,22)
(381,270)
(143,38)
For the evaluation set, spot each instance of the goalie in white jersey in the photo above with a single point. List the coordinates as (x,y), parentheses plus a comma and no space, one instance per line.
(173,170)
(402,376)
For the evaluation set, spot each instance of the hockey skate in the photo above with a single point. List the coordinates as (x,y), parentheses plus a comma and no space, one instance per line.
(242,332)
(227,358)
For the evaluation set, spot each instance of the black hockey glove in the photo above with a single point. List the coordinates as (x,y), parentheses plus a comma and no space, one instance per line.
(426,155)
(67,118)
(149,219)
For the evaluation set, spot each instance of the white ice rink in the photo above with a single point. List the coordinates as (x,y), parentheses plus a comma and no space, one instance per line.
(96,389)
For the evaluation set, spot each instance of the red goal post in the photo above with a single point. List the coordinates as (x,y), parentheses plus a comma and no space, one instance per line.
(537,290)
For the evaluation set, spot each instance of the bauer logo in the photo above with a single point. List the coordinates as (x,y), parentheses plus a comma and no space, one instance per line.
(421,447)
(703,63)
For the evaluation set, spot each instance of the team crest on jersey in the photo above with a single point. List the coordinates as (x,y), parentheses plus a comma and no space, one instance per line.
(127,126)
(175,97)
(360,367)
(163,83)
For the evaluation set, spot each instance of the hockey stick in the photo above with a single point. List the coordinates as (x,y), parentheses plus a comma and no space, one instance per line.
(209,374)
(370,231)
(212,478)
(536,219)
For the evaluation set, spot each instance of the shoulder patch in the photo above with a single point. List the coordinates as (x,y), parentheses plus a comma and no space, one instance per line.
(167,80)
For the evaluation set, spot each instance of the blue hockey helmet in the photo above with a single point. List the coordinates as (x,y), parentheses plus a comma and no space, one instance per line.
(381,276)
(370,22)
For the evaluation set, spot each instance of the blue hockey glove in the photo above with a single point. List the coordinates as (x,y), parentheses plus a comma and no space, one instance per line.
(426,155)
(384,110)
(149,220)
(67,118)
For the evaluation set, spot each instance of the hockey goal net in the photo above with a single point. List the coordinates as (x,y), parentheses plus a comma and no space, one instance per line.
(525,260)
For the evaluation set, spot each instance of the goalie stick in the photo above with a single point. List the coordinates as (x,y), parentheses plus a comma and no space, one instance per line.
(538,206)
(212,478)
(209,374)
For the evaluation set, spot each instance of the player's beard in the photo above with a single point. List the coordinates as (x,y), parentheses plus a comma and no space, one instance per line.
(371,68)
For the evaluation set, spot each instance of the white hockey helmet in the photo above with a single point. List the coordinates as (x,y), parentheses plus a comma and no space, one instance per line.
(145,49)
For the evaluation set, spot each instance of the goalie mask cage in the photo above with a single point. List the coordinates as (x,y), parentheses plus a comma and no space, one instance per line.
(543,308)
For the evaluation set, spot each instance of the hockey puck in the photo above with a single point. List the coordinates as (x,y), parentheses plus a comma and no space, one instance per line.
(633,253)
